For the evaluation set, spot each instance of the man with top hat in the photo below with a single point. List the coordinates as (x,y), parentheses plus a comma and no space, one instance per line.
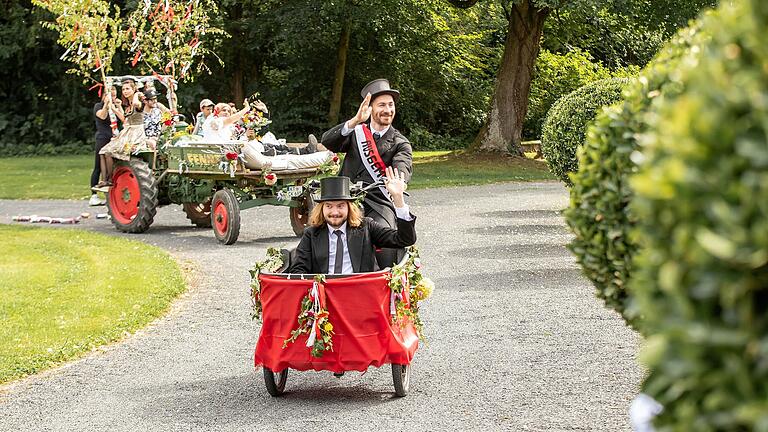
(340,240)
(371,147)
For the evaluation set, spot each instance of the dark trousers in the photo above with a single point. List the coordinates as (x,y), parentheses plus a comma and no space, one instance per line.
(96,173)
(280,149)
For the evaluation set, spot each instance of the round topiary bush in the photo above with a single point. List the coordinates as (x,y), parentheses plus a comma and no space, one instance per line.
(701,198)
(565,126)
(599,213)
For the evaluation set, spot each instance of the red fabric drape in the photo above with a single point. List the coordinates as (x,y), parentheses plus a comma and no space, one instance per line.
(359,311)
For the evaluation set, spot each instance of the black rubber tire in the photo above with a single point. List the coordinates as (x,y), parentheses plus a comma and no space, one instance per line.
(401,376)
(199,213)
(275,382)
(300,215)
(229,234)
(147,205)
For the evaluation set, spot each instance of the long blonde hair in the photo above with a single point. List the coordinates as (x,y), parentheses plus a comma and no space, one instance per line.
(354,216)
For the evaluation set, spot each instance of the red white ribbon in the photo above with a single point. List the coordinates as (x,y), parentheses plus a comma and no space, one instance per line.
(317,295)
(370,157)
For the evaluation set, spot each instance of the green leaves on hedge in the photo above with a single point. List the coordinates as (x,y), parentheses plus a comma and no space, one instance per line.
(599,213)
(702,201)
(566,124)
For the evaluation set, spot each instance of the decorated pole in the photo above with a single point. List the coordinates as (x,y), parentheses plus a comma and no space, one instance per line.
(89,30)
(165,36)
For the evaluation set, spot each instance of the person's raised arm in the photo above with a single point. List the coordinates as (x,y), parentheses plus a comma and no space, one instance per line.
(103,113)
(396,186)
(363,113)
(238,115)
(405,234)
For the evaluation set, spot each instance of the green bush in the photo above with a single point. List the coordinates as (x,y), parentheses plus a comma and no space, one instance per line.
(566,124)
(599,213)
(701,278)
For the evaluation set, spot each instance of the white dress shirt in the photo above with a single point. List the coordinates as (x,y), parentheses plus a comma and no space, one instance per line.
(403,213)
(345,131)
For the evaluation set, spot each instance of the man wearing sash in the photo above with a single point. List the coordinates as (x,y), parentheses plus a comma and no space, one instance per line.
(370,148)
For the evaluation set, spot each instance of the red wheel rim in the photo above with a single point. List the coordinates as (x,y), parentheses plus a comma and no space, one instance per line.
(220,218)
(124,196)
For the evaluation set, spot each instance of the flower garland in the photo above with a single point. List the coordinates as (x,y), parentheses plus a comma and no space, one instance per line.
(408,287)
(272,263)
(313,320)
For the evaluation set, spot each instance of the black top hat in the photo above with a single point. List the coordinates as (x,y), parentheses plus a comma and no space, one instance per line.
(378,87)
(334,189)
(150,94)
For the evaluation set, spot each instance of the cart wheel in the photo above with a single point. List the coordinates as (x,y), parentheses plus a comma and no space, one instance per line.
(275,381)
(132,199)
(300,214)
(402,379)
(225,216)
(199,213)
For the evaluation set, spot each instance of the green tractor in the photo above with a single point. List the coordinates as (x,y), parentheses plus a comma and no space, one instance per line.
(209,181)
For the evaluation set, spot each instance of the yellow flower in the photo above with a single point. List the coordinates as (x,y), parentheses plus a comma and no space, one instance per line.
(423,290)
(328,327)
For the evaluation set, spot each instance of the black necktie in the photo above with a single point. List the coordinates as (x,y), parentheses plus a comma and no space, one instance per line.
(376,136)
(339,262)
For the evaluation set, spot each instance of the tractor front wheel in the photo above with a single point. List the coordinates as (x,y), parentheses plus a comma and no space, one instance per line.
(225,216)
(132,200)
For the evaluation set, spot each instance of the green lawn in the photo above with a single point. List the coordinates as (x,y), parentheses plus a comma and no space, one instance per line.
(437,169)
(67,177)
(54,177)
(64,292)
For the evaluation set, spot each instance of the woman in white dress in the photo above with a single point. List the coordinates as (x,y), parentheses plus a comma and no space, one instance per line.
(220,127)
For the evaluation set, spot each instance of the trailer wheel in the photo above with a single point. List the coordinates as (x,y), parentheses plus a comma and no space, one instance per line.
(225,216)
(300,215)
(402,378)
(199,213)
(275,382)
(132,199)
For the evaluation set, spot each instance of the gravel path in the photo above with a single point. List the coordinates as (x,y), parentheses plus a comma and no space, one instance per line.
(516,339)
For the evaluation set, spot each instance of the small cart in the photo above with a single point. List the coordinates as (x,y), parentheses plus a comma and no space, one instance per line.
(365,333)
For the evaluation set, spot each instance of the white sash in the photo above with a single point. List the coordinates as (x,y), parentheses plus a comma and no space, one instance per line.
(370,157)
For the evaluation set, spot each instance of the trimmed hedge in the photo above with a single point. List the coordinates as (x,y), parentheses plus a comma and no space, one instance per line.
(702,202)
(566,124)
(599,213)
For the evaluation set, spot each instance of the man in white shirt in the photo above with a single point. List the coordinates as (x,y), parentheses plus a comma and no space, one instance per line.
(340,240)
(206,109)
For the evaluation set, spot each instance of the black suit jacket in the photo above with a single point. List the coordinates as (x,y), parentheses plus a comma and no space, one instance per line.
(395,150)
(312,252)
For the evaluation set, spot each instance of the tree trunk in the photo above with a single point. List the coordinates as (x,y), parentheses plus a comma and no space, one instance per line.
(503,129)
(338,77)
(238,73)
(238,92)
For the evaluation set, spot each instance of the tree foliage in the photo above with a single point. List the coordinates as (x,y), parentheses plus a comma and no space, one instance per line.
(443,59)
(168,36)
